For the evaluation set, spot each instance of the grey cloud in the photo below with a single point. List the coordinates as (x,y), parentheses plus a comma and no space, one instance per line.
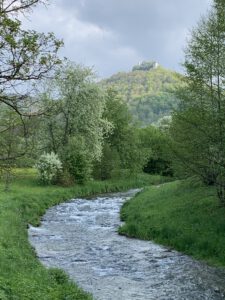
(114,34)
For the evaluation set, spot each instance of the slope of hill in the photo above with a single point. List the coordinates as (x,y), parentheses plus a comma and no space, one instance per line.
(148,91)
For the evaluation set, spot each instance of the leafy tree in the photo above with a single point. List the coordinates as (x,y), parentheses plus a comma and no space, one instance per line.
(150,94)
(199,128)
(17,140)
(156,144)
(121,150)
(76,105)
(133,156)
(116,113)
(78,160)
(26,57)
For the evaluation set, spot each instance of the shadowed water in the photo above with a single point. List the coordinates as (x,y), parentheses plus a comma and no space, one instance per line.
(81,237)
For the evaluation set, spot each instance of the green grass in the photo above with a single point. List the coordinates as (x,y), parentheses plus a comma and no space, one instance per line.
(177,215)
(22,276)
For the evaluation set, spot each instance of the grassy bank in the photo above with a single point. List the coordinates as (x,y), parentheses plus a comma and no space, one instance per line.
(179,216)
(22,276)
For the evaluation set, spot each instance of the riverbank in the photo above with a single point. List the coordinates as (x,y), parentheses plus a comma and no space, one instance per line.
(111,266)
(22,276)
(188,219)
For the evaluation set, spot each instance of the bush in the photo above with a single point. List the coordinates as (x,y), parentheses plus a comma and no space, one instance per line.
(65,179)
(49,167)
(158,166)
(109,164)
(77,160)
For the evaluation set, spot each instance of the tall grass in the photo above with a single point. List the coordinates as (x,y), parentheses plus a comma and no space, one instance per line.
(180,216)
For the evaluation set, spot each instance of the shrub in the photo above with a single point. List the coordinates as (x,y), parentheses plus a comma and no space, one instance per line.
(49,167)
(77,160)
(65,179)
(109,165)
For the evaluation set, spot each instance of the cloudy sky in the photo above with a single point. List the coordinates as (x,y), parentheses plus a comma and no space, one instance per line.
(114,35)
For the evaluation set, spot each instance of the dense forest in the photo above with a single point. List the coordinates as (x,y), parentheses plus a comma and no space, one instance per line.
(149,91)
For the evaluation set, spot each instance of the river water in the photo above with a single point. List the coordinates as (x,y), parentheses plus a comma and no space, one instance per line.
(80,236)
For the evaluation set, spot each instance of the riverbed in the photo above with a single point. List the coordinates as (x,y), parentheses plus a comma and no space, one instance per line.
(80,237)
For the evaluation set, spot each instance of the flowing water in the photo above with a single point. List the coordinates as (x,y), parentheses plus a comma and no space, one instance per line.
(80,236)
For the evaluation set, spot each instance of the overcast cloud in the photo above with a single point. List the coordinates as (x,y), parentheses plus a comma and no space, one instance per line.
(113,35)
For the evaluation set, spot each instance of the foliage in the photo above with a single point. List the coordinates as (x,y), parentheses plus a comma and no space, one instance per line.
(14,141)
(17,135)
(75,126)
(25,55)
(121,148)
(49,167)
(180,216)
(109,165)
(81,106)
(77,160)
(149,94)
(156,143)
(164,123)
(133,156)
(198,129)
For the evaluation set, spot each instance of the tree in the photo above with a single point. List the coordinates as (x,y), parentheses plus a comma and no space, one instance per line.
(198,128)
(149,95)
(155,142)
(78,161)
(75,122)
(26,57)
(121,148)
(13,6)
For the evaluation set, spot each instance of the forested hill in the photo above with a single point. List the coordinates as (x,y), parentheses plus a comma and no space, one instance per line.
(148,90)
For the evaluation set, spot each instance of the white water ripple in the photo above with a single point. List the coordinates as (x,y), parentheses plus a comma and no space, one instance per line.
(80,236)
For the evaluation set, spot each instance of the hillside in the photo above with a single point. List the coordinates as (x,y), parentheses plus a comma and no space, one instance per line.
(148,90)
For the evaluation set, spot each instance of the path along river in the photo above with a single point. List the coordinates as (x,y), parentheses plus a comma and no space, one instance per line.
(80,236)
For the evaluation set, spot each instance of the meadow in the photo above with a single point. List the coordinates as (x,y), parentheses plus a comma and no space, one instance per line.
(179,215)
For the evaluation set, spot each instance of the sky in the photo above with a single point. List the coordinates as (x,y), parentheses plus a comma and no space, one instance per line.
(114,35)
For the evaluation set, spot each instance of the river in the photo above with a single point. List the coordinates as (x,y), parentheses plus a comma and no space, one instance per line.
(80,237)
